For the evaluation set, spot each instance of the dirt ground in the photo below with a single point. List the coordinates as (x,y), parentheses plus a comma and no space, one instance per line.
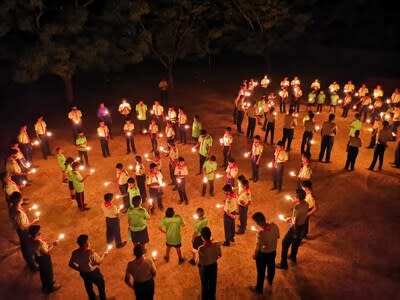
(353,253)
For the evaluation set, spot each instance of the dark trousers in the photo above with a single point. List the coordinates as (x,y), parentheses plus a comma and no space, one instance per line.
(363,112)
(306,142)
(255,168)
(277,175)
(44,145)
(234,115)
(144,290)
(156,194)
(265,261)
(227,154)
(287,136)
(352,153)
(171,168)
(130,144)
(208,278)
(153,139)
(211,184)
(159,121)
(345,111)
(107,120)
(24,242)
(306,225)
(26,150)
(282,105)
(379,152)
(319,107)
(229,228)
(372,141)
(123,189)
(239,120)
(80,199)
(104,147)
(292,238)
(202,160)
(95,277)
(141,183)
(182,133)
(397,156)
(113,232)
(270,128)
(84,157)
(46,272)
(251,126)
(326,147)
(243,218)
(182,191)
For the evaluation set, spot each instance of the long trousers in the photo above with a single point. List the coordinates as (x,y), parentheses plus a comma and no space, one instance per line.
(352,153)
(44,145)
(287,136)
(270,128)
(182,191)
(326,148)
(202,160)
(26,150)
(24,242)
(306,142)
(277,175)
(379,152)
(243,218)
(239,120)
(104,147)
(251,126)
(46,272)
(182,133)
(265,262)
(95,277)
(141,183)
(292,238)
(113,231)
(204,190)
(229,228)
(208,278)
(156,194)
(227,154)
(144,290)
(130,144)
(84,157)
(255,168)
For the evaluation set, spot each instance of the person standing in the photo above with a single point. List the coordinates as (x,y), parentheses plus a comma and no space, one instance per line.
(309,128)
(355,124)
(129,128)
(315,85)
(240,113)
(305,171)
(24,143)
(182,123)
(137,220)
(320,101)
(103,114)
(334,101)
(141,115)
(133,190)
(296,229)
(244,200)
(209,169)
(265,252)
(42,135)
(289,123)
(111,213)
(158,113)
(10,186)
(230,211)
(171,225)
(140,174)
(207,256)
(124,108)
(75,116)
(269,124)
(41,252)
(328,132)
(21,224)
(14,170)
(173,155)
(163,86)
(382,138)
(82,145)
(155,182)
(61,163)
(172,117)
(85,260)
(312,205)
(256,153)
(201,221)
(181,171)
(196,128)
(121,178)
(251,112)
(104,137)
(79,186)
(280,158)
(353,146)
(204,144)
(231,172)
(226,143)
(365,101)
(170,133)
(153,133)
(143,271)
(346,105)
(68,171)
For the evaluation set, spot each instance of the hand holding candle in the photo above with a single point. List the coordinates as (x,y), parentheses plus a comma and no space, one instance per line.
(33,207)
(195,217)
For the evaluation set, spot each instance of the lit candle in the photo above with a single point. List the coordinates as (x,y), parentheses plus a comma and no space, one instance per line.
(92,171)
(60,236)
(312,142)
(317,128)
(281,217)
(130,167)
(24,182)
(247,94)
(76,122)
(246,154)
(356,94)
(34,207)
(368,121)
(33,171)
(354,107)
(128,133)
(162,184)
(187,126)
(370,129)
(178,180)
(77,158)
(275,113)
(146,155)
(109,247)
(388,101)
(205,180)
(167,118)
(48,133)
(221,141)
(106,183)
(81,167)
(288,197)
(195,217)
(154,254)
(37,214)
(340,101)
(117,196)
(28,164)
(161,148)
(36,143)
(160,135)
(253,228)
(270,165)
(218,176)
(151,201)
(88,148)
(219,205)
(151,112)
(193,149)
(121,207)
(371,106)
(292,173)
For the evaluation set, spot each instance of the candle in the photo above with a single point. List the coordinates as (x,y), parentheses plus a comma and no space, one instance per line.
(253,228)
(33,171)
(370,129)
(151,112)
(117,196)
(162,184)
(219,205)
(130,167)
(109,247)
(247,94)
(368,121)
(371,106)
(146,155)
(88,148)
(36,143)
(77,158)
(151,201)
(193,149)
(292,173)
(288,197)
(61,236)
(270,165)
(24,182)
(28,164)
(144,131)
(312,142)
(317,128)
(354,107)
(221,141)
(161,148)
(205,180)
(128,133)
(275,113)
(281,217)
(106,183)
(154,254)
(187,126)
(121,207)
(218,176)
(81,167)
(340,101)
(37,214)
(160,135)
(195,217)
(246,154)
(356,94)
(167,118)
(92,171)
(76,122)
(48,133)
(178,180)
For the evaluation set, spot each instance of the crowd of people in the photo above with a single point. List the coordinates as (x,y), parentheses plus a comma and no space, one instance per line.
(142,187)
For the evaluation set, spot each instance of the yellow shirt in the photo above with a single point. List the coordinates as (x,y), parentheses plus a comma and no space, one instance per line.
(153,128)
(257,149)
(23,137)
(305,173)
(75,116)
(40,127)
(169,131)
(182,118)
(231,204)
(232,171)
(158,110)
(310,200)
(281,156)
(122,176)
(172,115)
(244,198)
(103,131)
(139,169)
(129,127)
(181,171)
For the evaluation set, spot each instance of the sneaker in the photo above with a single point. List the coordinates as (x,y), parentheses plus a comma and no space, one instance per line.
(121,245)
(181,260)
(280,266)
(192,262)
(226,244)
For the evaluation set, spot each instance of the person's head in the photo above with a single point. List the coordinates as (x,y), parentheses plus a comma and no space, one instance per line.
(203,132)
(357,115)
(75,165)
(205,234)
(331,117)
(34,231)
(200,212)
(108,197)
(16,199)
(40,118)
(306,185)
(83,241)
(245,183)
(59,150)
(153,166)
(311,115)
(157,153)
(181,161)
(80,133)
(141,101)
(196,118)
(169,213)
(131,182)
(137,201)
(128,120)
(257,139)
(305,157)
(74,108)
(119,166)
(321,92)
(24,127)
(280,145)
(69,161)
(138,158)
(385,124)
(357,133)
(101,123)
(300,195)
(153,122)
(138,251)
(156,102)
(101,104)
(272,109)
(231,160)
(213,158)
(227,189)
(228,129)
(241,178)
(259,218)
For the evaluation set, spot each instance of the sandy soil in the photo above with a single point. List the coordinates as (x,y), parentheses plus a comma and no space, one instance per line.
(353,253)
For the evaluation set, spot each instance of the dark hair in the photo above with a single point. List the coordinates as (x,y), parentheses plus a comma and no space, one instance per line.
(291,110)
(306,184)
(331,117)
(169,213)
(307,155)
(82,240)
(203,132)
(227,188)
(231,160)
(75,164)
(280,143)
(119,166)
(200,212)
(245,183)
(385,123)
(33,230)
(15,198)
(138,158)
(108,197)
(357,132)
(241,177)
(228,129)
(69,161)
(311,115)
(131,180)
(206,233)
(136,201)
(153,165)
(138,250)
(301,194)
(180,158)
(259,218)
(213,158)
(257,137)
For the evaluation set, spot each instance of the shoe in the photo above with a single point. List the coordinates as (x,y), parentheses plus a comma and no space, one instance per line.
(85,208)
(370,169)
(255,290)
(166,258)
(192,262)
(123,244)
(280,266)
(56,287)
(293,260)
(239,232)
(255,180)
(181,260)
(226,244)
(232,240)
(273,188)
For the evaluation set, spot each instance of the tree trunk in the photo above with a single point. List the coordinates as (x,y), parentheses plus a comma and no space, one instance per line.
(69,89)
(171,76)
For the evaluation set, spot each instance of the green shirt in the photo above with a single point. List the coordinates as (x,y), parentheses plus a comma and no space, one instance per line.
(209,168)
(321,98)
(205,144)
(137,217)
(81,143)
(196,127)
(199,225)
(334,99)
(133,192)
(68,171)
(61,161)
(173,228)
(311,97)
(355,125)
(77,182)
(260,107)
(141,111)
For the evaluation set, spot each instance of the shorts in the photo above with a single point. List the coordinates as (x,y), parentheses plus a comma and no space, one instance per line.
(174,246)
(140,237)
